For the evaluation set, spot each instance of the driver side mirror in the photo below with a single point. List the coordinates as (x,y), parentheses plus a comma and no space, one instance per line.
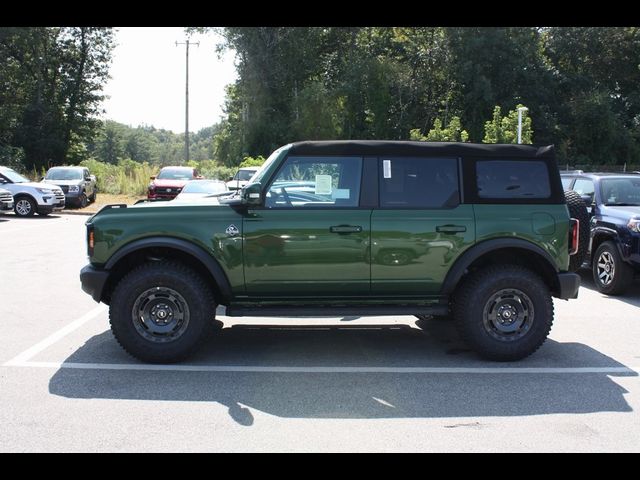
(588,199)
(251,194)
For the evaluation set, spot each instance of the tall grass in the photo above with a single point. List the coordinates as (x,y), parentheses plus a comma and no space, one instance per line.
(128,177)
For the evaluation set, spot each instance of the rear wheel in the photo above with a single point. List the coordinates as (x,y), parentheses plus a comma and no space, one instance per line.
(161,311)
(578,210)
(503,312)
(92,197)
(610,274)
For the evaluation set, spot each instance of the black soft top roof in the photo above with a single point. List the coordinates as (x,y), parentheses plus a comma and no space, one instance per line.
(407,148)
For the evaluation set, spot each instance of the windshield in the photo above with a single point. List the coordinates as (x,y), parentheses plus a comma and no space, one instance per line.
(244,175)
(265,166)
(64,174)
(204,186)
(176,174)
(13,176)
(620,191)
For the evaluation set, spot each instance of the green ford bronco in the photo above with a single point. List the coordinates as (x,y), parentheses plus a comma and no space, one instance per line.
(481,232)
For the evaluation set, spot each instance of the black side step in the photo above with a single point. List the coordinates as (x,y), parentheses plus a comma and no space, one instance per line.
(333,311)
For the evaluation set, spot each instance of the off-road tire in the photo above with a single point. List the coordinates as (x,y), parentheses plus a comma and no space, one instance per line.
(578,209)
(476,300)
(184,289)
(620,276)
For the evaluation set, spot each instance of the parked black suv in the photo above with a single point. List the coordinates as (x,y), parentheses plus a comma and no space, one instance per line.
(613,203)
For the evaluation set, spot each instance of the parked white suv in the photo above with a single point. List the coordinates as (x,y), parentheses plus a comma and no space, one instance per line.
(6,201)
(241,178)
(31,197)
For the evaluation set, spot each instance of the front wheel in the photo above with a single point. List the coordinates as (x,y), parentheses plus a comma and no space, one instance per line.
(610,274)
(25,207)
(503,312)
(161,311)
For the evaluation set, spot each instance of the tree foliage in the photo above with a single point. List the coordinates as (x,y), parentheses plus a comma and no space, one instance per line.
(115,142)
(452,133)
(505,129)
(51,80)
(580,84)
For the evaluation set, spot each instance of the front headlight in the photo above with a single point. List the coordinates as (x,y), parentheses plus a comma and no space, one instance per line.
(74,188)
(45,191)
(634,225)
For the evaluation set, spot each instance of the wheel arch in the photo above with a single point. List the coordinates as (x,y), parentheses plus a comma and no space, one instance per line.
(600,235)
(25,194)
(503,250)
(158,248)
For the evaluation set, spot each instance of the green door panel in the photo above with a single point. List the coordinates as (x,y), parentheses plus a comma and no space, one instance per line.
(297,252)
(412,250)
(543,225)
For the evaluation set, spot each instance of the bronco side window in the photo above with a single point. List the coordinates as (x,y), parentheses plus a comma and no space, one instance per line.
(512,179)
(413,182)
(316,182)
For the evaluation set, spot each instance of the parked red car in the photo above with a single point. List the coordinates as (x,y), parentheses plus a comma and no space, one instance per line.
(169,182)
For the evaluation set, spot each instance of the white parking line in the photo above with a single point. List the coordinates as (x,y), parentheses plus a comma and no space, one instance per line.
(23,358)
(281,369)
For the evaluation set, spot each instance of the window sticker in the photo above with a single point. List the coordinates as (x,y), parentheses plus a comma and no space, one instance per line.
(323,185)
(386,168)
(341,193)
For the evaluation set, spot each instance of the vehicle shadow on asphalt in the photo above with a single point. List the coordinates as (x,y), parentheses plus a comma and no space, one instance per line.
(352,395)
(631,296)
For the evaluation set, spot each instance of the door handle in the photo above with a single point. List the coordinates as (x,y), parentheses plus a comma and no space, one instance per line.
(345,229)
(451,228)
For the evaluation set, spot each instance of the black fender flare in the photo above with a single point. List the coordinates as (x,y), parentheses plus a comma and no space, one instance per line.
(199,253)
(605,231)
(475,252)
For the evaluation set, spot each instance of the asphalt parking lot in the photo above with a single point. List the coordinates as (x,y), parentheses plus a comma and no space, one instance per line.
(339,384)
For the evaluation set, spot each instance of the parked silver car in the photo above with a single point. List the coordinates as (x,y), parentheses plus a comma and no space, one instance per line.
(6,201)
(31,197)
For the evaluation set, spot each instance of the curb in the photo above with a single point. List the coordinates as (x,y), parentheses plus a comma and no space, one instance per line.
(72,212)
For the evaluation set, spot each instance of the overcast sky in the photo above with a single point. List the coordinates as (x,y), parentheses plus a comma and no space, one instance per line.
(148,79)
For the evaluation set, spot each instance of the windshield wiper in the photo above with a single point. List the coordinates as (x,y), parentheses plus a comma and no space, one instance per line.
(621,204)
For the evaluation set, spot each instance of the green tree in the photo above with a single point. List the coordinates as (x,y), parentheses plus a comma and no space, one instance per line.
(51,79)
(505,129)
(452,133)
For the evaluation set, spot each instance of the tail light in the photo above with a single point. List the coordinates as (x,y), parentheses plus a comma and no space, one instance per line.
(574,236)
(90,240)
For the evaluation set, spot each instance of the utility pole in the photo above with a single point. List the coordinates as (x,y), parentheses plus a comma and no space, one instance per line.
(186,94)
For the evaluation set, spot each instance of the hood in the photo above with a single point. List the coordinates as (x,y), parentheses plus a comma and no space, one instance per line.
(169,182)
(63,182)
(15,186)
(624,213)
(175,203)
